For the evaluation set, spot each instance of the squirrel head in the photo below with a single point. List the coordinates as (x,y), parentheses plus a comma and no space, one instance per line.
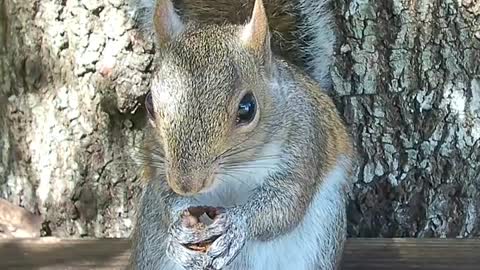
(209,96)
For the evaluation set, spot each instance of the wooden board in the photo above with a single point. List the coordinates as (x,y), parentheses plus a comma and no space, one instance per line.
(360,254)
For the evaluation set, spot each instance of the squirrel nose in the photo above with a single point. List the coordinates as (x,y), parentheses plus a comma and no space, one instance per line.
(188,183)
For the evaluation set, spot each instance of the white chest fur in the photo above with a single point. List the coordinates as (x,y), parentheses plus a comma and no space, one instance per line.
(313,244)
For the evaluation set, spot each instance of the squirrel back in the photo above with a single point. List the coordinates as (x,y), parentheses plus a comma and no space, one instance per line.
(302,31)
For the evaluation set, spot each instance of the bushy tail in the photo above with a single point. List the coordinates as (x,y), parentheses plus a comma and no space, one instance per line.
(319,31)
(143,11)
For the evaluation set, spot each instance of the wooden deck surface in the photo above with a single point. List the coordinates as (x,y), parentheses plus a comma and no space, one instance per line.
(360,254)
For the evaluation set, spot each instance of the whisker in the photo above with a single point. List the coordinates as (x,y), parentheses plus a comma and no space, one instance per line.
(270,157)
(238,148)
(248,169)
(235,178)
(258,161)
(151,152)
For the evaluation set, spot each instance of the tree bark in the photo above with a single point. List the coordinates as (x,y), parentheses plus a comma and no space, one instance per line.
(72,80)
(74,74)
(407,80)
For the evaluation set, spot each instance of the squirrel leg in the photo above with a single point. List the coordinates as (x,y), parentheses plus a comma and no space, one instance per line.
(275,209)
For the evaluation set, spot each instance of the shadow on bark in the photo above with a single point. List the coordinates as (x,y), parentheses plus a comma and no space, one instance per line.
(63,153)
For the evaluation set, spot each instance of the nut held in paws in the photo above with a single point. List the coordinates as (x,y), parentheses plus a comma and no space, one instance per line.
(198,218)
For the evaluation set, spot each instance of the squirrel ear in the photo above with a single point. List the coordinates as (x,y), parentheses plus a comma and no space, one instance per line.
(166,21)
(256,34)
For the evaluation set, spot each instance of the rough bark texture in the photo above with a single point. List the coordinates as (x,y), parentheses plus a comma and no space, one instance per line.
(73,75)
(407,79)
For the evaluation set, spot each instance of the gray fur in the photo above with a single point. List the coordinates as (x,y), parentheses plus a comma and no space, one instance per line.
(295,160)
(275,207)
(319,24)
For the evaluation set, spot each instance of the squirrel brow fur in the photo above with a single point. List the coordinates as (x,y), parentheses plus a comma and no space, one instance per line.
(302,31)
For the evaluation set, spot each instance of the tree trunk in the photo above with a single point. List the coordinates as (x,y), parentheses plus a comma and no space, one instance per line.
(73,75)
(407,81)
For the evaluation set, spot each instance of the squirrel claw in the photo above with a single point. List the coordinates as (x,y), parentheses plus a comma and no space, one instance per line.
(226,247)
(229,231)
(185,257)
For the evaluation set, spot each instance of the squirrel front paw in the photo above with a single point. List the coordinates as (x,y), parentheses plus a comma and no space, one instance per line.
(199,245)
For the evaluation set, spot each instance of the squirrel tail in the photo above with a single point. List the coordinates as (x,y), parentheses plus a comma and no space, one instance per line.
(318,28)
(143,14)
(303,30)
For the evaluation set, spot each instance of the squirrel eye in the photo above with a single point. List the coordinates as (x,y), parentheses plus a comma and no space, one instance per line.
(246,109)
(149,105)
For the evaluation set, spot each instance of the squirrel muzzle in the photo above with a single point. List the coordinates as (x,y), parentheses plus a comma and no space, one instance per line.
(190,181)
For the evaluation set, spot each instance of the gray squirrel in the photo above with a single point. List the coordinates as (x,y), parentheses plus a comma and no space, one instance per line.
(249,163)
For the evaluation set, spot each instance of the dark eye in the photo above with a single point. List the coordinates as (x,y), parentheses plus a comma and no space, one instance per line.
(149,105)
(246,109)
